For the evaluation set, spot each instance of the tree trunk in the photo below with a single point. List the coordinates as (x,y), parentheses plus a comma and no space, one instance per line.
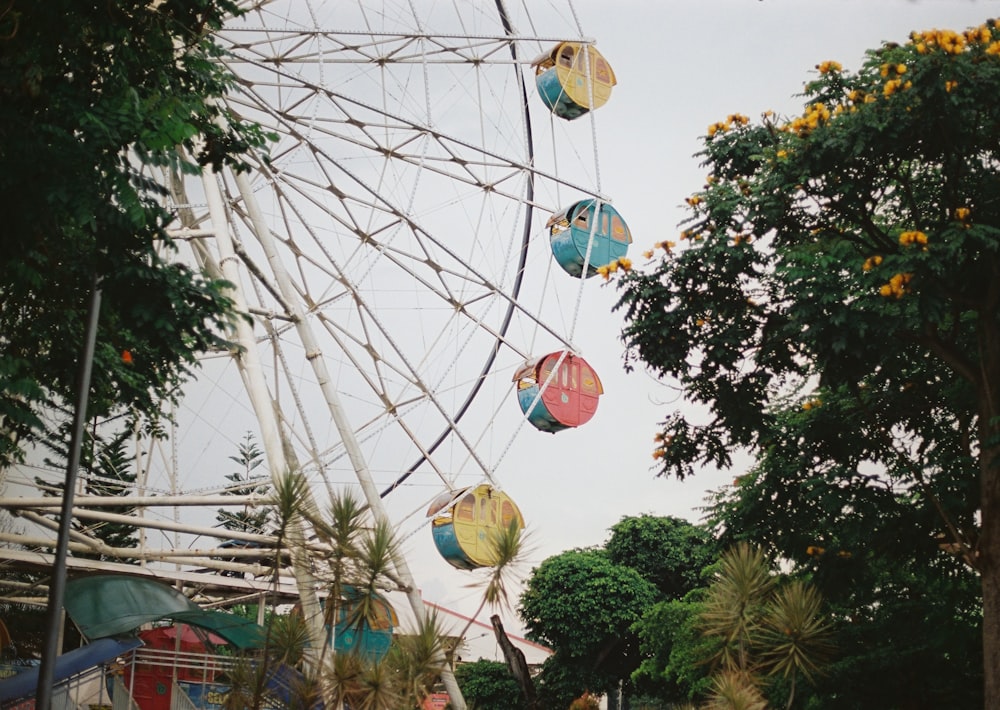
(987,552)
(516,662)
(989,567)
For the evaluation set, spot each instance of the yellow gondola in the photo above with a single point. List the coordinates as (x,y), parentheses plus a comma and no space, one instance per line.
(573,78)
(465,524)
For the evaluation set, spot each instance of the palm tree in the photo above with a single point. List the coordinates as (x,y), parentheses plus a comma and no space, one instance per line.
(508,550)
(794,637)
(765,629)
(417,659)
(732,690)
(351,553)
(735,603)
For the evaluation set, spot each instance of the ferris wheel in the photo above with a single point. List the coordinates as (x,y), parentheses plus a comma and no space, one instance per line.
(394,247)
(411,315)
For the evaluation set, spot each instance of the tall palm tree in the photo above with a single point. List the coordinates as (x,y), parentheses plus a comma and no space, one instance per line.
(352,554)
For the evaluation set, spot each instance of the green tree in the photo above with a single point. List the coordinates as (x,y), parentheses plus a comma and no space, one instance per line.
(672,649)
(832,301)
(669,552)
(877,572)
(107,470)
(583,606)
(489,684)
(354,562)
(245,483)
(91,95)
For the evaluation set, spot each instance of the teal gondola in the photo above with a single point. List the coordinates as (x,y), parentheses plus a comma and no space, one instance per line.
(364,632)
(588,223)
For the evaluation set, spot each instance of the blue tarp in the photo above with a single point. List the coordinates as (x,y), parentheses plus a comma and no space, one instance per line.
(24,684)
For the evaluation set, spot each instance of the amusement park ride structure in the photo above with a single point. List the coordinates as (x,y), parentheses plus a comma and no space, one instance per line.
(388,253)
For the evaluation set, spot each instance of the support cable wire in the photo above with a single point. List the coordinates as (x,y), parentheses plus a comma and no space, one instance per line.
(518,279)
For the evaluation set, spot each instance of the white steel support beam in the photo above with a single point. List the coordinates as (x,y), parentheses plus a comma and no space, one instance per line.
(260,398)
(340,419)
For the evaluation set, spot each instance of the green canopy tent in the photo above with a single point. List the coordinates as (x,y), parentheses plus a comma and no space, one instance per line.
(112,605)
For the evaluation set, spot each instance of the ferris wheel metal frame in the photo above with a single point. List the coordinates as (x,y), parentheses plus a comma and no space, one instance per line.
(254,229)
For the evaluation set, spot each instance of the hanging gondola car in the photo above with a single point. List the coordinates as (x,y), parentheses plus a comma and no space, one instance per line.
(569,84)
(557,391)
(570,233)
(366,633)
(466,521)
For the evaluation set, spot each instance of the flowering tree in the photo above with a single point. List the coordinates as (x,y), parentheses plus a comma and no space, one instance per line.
(832,304)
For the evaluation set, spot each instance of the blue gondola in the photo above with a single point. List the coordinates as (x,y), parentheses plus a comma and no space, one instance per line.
(570,232)
(368,637)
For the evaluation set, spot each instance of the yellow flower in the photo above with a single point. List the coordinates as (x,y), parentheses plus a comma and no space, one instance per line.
(693,200)
(871,262)
(829,66)
(912,237)
(994,48)
(898,286)
(782,153)
(962,213)
(625,263)
(980,35)
(949,85)
(900,68)
(604,272)
(648,254)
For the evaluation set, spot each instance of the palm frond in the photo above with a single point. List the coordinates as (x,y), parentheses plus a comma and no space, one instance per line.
(733,690)
(794,636)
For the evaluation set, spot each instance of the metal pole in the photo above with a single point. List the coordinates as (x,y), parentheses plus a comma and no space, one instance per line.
(57,587)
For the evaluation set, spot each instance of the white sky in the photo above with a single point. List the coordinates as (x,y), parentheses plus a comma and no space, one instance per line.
(681,65)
